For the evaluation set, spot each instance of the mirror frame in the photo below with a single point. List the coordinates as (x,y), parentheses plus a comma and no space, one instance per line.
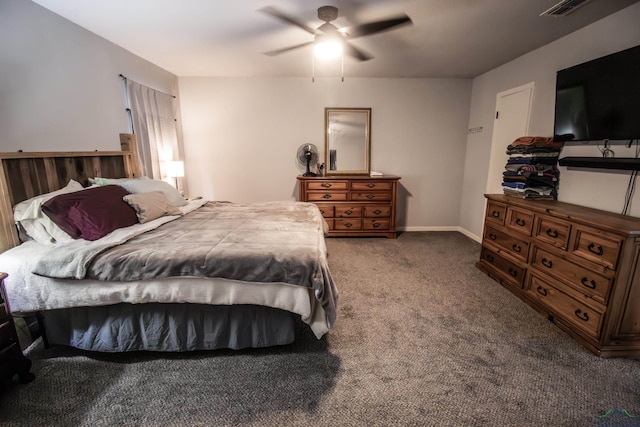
(366,142)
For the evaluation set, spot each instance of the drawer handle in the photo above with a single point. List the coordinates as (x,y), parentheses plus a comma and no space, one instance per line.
(582,315)
(589,283)
(542,291)
(520,222)
(552,233)
(489,257)
(547,263)
(349,212)
(376,224)
(348,224)
(516,247)
(377,212)
(326,185)
(495,214)
(493,236)
(595,249)
(326,196)
(322,212)
(370,185)
(370,196)
(513,272)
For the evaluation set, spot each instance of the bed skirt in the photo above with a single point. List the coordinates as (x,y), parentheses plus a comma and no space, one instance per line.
(168,327)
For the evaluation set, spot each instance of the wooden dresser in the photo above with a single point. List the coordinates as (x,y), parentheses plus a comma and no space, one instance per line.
(12,361)
(354,205)
(578,266)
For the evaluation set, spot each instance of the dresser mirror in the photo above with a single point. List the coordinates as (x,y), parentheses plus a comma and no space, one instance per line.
(347,141)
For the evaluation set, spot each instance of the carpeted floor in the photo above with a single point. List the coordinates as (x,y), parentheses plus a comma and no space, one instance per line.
(422,339)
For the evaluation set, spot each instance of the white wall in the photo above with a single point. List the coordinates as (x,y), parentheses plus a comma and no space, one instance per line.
(59,83)
(602,190)
(241,137)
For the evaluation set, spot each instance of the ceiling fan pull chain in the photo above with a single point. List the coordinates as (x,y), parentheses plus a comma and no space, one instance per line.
(313,67)
(342,72)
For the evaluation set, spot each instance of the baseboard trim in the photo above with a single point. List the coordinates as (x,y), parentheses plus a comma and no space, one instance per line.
(443,228)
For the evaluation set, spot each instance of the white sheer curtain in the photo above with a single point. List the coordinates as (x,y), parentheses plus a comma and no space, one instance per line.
(153,120)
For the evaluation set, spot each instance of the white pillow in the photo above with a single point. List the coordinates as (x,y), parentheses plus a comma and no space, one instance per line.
(146,185)
(35,223)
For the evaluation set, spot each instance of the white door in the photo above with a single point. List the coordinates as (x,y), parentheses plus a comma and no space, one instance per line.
(511,121)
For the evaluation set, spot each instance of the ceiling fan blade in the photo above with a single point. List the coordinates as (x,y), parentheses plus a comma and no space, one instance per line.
(287,49)
(377,26)
(269,10)
(359,54)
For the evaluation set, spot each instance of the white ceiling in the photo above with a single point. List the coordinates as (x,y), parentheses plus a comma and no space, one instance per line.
(448,38)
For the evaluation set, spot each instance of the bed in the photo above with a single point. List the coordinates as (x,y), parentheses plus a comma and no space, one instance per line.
(213,275)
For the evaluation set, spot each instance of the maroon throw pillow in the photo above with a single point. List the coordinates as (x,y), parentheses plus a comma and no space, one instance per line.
(92,213)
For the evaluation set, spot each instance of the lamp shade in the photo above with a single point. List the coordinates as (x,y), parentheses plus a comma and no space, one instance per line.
(174,168)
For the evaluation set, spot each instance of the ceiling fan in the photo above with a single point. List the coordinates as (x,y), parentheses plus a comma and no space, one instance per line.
(329,31)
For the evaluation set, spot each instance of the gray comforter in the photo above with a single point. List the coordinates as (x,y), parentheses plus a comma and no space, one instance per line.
(265,242)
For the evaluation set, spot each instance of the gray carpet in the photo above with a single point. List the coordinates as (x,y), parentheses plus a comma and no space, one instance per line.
(422,338)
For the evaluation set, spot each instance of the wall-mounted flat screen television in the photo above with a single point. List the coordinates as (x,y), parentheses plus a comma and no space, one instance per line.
(600,99)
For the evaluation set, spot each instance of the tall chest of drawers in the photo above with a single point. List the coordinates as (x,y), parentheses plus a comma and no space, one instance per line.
(354,205)
(578,266)
(12,361)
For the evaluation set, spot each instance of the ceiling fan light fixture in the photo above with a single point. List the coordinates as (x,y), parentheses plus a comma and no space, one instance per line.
(327,49)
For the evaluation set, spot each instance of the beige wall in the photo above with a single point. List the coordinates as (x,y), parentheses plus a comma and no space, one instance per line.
(602,190)
(59,83)
(241,137)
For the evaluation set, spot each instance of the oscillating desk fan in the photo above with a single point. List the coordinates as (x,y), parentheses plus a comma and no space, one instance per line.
(307,156)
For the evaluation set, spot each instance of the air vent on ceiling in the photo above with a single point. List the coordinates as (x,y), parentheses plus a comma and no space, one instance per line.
(564,8)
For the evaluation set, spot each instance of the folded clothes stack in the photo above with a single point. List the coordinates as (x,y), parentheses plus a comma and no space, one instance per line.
(531,170)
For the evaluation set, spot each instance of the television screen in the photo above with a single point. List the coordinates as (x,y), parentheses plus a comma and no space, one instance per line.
(599,99)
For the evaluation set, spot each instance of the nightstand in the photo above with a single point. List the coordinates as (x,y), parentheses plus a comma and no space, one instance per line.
(12,361)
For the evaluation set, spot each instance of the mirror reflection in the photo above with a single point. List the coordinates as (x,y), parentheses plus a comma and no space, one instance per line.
(347,140)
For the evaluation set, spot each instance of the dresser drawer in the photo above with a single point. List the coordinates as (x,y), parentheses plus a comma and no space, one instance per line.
(326,196)
(330,223)
(375,224)
(327,185)
(496,212)
(348,211)
(326,210)
(511,272)
(7,334)
(372,196)
(520,220)
(565,307)
(347,224)
(374,211)
(553,232)
(517,247)
(587,282)
(3,313)
(370,185)
(597,247)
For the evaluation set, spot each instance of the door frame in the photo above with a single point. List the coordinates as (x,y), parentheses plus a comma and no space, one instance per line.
(528,87)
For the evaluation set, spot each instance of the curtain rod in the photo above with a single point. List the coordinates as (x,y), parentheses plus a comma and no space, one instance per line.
(159,91)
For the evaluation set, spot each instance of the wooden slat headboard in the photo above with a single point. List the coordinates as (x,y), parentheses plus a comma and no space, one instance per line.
(26,175)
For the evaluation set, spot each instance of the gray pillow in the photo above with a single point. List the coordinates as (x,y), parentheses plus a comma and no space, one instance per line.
(152,205)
